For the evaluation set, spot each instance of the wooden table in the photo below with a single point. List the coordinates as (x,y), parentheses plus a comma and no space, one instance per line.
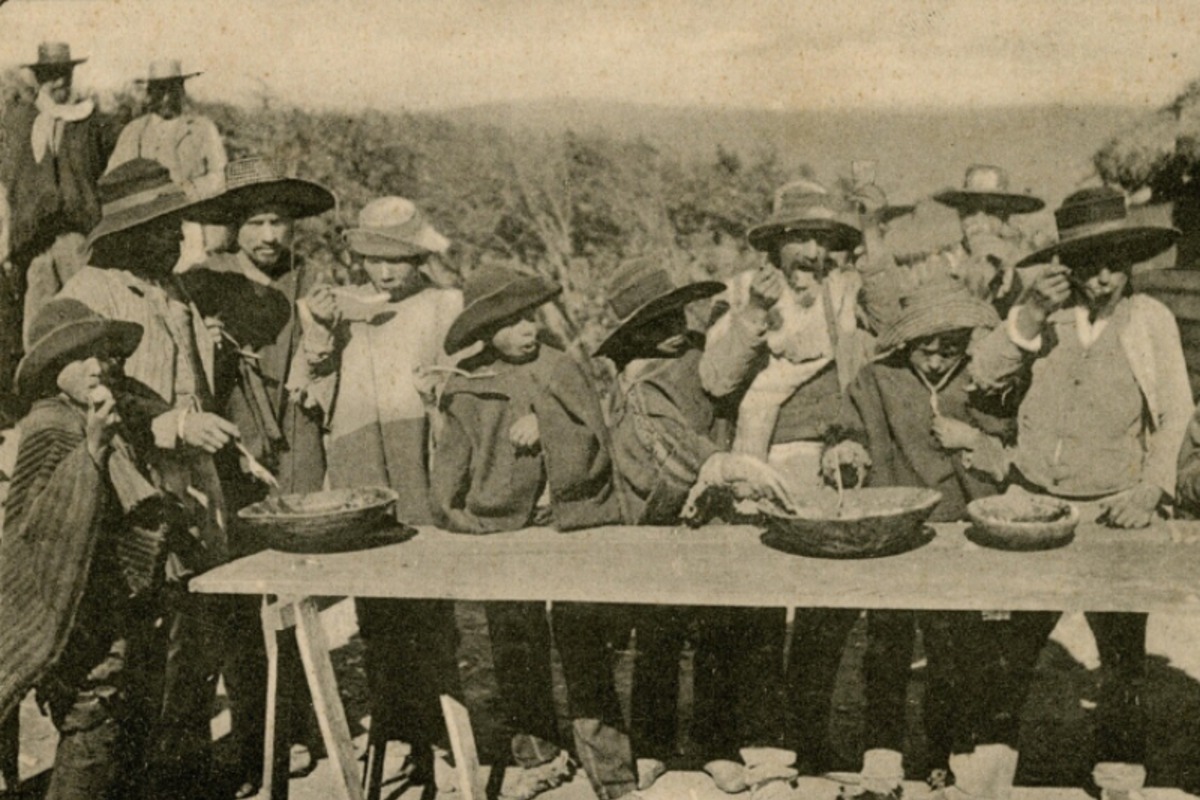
(1153,570)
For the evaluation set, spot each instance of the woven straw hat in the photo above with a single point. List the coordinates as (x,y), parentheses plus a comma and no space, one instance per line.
(137,192)
(64,330)
(493,293)
(986,187)
(807,207)
(393,227)
(641,291)
(251,184)
(1094,222)
(937,307)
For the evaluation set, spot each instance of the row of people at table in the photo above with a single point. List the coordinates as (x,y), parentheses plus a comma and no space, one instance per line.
(831,360)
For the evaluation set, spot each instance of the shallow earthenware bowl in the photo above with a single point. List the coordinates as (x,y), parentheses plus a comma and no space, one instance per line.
(325,522)
(1022,522)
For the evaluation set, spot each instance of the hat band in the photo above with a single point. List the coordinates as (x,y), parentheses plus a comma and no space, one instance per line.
(1090,229)
(1103,210)
(144,197)
(629,299)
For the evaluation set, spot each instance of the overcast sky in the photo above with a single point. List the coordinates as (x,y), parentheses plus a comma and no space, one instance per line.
(783,54)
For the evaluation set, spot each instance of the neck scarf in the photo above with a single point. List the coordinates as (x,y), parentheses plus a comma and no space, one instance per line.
(51,120)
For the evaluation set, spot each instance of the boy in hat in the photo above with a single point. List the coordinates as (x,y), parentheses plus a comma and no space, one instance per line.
(189,145)
(55,152)
(80,559)
(248,298)
(363,363)
(1088,342)
(522,443)
(912,419)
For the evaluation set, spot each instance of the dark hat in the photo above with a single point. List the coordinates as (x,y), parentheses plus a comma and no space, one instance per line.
(393,227)
(135,193)
(54,55)
(939,306)
(166,70)
(1093,221)
(493,293)
(67,329)
(251,183)
(641,291)
(986,187)
(807,207)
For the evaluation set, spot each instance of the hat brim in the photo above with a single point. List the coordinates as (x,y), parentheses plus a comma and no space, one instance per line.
(1001,202)
(953,315)
(167,79)
(836,236)
(1129,245)
(66,340)
(302,198)
(510,299)
(677,298)
(373,244)
(54,64)
(175,203)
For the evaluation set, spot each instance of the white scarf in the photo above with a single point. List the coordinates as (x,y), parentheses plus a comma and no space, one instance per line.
(52,118)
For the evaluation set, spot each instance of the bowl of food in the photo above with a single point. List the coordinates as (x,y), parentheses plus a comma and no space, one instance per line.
(324,522)
(867,523)
(1022,522)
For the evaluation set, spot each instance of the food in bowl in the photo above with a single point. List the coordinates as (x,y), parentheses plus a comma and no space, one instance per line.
(1021,521)
(321,521)
(869,523)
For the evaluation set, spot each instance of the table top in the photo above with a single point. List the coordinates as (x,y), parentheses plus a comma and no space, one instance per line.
(1151,570)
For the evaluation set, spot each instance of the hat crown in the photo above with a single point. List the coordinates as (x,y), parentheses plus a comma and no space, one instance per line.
(805,198)
(1083,210)
(986,178)
(635,283)
(248,172)
(165,69)
(136,177)
(389,212)
(50,53)
(490,279)
(57,314)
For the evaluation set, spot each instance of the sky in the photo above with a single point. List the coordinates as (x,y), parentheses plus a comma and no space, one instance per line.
(764,54)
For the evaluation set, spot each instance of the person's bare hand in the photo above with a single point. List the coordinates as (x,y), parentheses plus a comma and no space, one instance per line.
(1135,508)
(766,287)
(848,454)
(745,476)
(102,418)
(322,302)
(1049,291)
(870,199)
(208,431)
(216,330)
(427,382)
(524,432)
(953,434)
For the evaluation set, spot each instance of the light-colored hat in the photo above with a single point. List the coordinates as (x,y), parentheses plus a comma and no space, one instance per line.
(640,291)
(169,69)
(134,193)
(393,227)
(987,187)
(1094,222)
(54,55)
(63,330)
(807,207)
(251,183)
(940,306)
(494,293)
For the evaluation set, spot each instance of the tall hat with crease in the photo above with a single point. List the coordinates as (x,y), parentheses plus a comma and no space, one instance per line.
(807,208)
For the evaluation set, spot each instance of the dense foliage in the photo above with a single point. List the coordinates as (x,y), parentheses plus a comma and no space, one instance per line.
(1161,153)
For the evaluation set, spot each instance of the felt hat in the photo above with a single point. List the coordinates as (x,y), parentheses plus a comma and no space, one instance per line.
(987,187)
(65,330)
(54,55)
(1094,222)
(939,306)
(393,227)
(169,69)
(251,183)
(807,207)
(494,293)
(134,193)
(641,291)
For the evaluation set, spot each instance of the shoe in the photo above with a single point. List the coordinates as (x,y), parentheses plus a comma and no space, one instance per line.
(729,776)
(532,781)
(649,770)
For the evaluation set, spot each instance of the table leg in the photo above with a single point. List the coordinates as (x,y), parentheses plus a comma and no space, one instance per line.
(331,715)
(278,618)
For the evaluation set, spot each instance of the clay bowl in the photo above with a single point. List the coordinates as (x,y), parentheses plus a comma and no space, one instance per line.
(325,522)
(1022,522)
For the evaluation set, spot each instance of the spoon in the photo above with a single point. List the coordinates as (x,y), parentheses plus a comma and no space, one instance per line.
(258,470)
(837,473)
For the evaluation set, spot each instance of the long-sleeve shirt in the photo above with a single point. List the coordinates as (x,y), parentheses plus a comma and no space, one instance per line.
(189,146)
(1100,417)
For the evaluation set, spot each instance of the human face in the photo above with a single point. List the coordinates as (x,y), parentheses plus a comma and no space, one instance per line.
(516,340)
(804,261)
(979,223)
(56,81)
(78,378)
(156,245)
(661,337)
(935,356)
(165,98)
(265,236)
(1101,284)
(396,276)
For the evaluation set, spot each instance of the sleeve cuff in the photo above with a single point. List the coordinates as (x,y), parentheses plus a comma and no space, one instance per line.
(165,428)
(1014,334)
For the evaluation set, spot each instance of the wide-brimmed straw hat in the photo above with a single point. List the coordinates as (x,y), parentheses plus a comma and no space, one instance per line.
(54,55)
(251,184)
(65,330)
(986,187)
(937,307)
(134,193)
(169,69)
(393,227)
(641,291)
(807,207)
(1094,223)
(494,293)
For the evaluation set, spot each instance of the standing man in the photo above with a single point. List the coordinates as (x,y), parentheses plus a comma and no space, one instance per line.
(188,145)
(54,152)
